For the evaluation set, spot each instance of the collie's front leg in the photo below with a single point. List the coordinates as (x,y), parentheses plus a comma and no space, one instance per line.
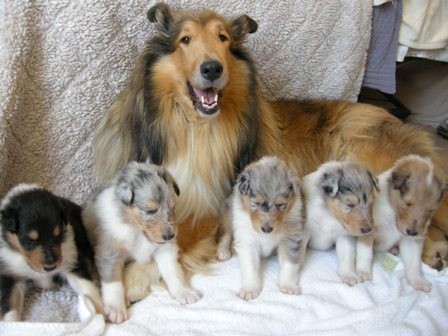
(411,256)
(12,295)
(291,255)
(364,257)
(345,250)
(250,272)
(166,259)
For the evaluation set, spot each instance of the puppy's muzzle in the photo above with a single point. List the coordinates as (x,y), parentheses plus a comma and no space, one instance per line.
(168,235)
(267,229)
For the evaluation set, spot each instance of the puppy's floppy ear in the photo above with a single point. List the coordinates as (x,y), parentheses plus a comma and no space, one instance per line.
(330,183)
(9,219)
(162,16)
(295,181)
(242,26)
(374,181)
(243,182)
(125,190)
(176,188)
(398,180)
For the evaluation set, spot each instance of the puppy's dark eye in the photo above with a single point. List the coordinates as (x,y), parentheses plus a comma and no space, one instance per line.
(409,204)
(281,206)
(185,39)
(151,211)
(223,38)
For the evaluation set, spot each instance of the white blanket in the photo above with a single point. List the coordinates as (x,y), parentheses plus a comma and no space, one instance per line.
(387,305)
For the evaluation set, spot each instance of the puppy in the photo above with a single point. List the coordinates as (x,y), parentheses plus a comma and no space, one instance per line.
(265,213)
(339,198)
(132,219)
(42,239)
(410,193)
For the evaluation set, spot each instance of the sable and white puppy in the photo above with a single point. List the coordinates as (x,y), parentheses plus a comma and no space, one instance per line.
(339,198)
(42,239)
(409,194)
(266,213)
(133,219)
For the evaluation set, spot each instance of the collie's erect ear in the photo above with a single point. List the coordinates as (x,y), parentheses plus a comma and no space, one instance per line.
(243,182)
(8,219)
(162,16)
(330,183)
(241,27)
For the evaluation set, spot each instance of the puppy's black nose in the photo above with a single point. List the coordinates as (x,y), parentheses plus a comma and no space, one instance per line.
(365,230)
(168,236)
(49,268)
(266,229)
(411,232)
(211,70)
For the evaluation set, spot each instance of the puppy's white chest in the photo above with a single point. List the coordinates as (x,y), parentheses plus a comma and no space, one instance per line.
(142,249)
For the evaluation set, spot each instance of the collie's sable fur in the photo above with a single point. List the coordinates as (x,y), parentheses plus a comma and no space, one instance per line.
(42,239)
(339,198)
(133,219)
(265,213)
(409,195)
(193,105)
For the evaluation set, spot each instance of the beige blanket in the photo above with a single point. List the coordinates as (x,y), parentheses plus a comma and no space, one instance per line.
(62,64)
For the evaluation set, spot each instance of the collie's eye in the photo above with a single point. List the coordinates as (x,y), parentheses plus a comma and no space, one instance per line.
(185,39)
(349,207)
(223,38)
(409,204)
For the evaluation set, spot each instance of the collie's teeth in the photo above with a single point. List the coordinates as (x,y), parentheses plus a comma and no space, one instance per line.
(202,100)
(216,98)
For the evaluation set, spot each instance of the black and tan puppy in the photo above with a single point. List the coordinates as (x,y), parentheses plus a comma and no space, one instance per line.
(42,239)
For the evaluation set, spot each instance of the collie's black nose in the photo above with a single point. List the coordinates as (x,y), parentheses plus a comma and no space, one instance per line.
(411,232)
(267,229)
(211,70)
(168,236)
(49,268)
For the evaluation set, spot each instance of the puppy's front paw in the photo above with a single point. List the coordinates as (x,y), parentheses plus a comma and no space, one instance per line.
(115,314)
(223,254)
(290,289)
(350,278)
(249,293)
(420,284)
(364,276)
(186,296)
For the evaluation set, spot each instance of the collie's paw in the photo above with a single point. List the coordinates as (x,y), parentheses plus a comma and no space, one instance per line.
(364,276)
(11,316)
(290,289)
(420,284)
(116,314)
(223,254)
(249,293)
(350,278)
(186,296)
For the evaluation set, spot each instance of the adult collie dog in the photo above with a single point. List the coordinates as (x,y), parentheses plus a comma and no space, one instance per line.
(193,105)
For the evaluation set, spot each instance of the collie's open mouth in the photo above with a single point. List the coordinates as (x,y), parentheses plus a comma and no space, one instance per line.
(205,101)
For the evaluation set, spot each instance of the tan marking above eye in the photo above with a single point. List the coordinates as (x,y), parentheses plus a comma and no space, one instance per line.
(56,231)
(33,235)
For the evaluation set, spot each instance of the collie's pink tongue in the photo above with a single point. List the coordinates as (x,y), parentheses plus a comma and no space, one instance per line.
(208,96)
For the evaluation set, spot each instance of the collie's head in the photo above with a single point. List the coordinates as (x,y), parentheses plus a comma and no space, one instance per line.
(415,189)
(148,196)
(348,192)
(196,54)
(269,192)
(34,224)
